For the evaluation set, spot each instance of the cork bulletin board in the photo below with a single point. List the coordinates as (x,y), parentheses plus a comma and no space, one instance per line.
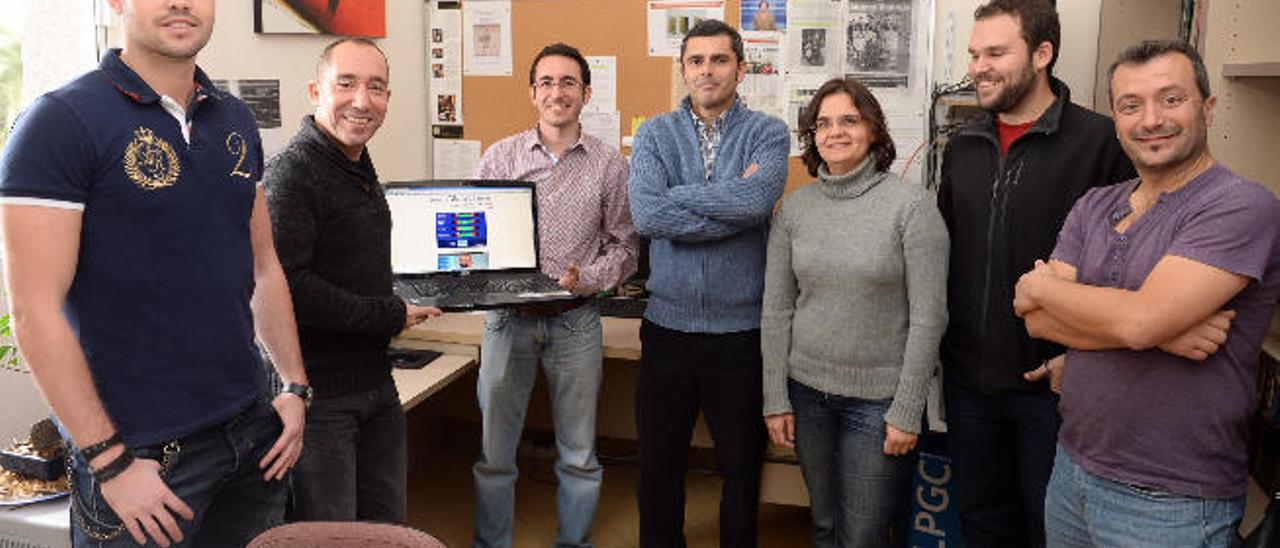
(498,106)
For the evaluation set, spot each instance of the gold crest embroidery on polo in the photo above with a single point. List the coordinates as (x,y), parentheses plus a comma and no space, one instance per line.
(150,161)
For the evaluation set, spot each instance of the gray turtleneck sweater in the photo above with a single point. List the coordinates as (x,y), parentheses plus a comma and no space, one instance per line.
(855,292)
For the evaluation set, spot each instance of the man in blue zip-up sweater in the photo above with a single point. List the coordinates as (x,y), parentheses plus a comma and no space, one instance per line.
(704,180)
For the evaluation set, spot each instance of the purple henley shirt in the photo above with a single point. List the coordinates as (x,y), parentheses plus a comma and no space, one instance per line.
(1150,418)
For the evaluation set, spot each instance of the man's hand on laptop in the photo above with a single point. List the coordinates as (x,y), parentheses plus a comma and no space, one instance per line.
(414,314)
(569,280)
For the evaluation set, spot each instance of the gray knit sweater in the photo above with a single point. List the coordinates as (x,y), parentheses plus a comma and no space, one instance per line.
(855,292)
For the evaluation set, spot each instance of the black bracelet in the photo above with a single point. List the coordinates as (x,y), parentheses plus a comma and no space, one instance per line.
(113,468)
(91,452)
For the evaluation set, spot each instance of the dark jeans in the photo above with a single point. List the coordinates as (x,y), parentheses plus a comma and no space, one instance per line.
(215,471)
(1002,449)
(354,459)
(858,495)
(679,374)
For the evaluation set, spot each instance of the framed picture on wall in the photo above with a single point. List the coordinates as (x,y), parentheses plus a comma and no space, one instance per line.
(366,18)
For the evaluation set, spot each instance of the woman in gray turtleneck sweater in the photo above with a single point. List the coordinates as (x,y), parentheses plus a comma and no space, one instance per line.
(854,307)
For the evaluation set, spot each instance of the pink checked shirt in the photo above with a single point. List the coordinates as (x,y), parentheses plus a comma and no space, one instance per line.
(583,216)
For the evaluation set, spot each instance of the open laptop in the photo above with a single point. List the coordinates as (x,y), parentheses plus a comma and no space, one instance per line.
(467,244)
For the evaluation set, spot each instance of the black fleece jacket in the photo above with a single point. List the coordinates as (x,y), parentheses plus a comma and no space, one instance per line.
(332,233)
(1004,212)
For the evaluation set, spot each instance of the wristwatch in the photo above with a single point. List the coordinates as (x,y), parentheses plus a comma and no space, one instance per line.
(300,390)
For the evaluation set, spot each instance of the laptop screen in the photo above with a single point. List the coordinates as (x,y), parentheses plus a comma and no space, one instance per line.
(451,226)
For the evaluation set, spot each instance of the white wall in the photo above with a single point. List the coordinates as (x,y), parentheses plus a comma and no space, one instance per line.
(399,149)
(57,45)
(20,406)
(1077,61)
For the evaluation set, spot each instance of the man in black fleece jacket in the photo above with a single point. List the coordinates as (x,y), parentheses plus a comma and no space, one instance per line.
(332,231)
(1008,181)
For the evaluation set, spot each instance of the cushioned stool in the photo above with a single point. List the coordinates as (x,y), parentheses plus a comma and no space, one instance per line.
(340,534)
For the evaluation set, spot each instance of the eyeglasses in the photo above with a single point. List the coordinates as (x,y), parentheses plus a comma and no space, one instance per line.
(824,125)
(565,84)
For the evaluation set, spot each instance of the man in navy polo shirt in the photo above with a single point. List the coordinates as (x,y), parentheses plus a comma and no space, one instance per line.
(140,267)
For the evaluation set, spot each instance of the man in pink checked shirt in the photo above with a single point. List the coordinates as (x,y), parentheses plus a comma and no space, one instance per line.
(589,244)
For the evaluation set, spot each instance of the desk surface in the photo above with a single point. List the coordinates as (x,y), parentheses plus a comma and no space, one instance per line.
(416,385)
(621,335)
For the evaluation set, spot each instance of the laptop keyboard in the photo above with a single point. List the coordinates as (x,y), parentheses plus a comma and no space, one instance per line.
(467,285)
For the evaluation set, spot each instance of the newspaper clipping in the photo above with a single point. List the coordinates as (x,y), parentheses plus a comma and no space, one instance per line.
(878,42)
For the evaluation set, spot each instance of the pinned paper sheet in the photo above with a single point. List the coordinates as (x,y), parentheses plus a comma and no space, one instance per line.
(635,123)
(455,158)
(604,83)
(486,38)
(603,126)
(670,20)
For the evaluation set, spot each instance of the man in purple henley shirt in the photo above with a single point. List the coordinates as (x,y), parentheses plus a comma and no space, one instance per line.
(1163,288)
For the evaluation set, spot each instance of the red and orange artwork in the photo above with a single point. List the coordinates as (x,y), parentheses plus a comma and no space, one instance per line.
(366,18)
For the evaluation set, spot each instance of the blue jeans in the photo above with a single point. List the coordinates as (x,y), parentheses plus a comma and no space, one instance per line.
(354,460)
(1083,509)
(569,348)
(1002,448)
(856,492)
(215,471)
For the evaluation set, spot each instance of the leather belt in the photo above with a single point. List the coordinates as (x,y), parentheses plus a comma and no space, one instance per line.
(550,308)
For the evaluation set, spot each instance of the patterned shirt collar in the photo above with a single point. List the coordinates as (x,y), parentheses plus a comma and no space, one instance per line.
(709,135)
(533,141)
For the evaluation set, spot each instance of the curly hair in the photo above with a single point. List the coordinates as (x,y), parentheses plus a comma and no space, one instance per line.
(867,105)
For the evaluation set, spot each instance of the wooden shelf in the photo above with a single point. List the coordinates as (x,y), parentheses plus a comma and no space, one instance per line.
(1251,70)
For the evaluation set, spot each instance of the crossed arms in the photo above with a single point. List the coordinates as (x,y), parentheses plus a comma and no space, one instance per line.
(700,212)
(1178,308)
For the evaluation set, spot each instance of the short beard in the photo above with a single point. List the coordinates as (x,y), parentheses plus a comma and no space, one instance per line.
(1197,148)
(1015,92)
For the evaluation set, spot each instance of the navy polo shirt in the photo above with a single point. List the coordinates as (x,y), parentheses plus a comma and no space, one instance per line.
(160,297)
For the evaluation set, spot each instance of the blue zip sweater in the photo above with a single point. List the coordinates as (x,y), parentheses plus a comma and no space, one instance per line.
(707,241)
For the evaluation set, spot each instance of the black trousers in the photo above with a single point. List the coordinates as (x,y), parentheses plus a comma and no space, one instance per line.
(679,374)
(1002,449)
